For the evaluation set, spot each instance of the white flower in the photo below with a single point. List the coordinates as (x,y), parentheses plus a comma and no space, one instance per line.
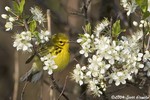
(142,21)
(23,41)
(97,67)
(133,41)
(78,74)
(9,26)
(119,77)
(11,19)
(94,67)
(79,40)
(140,55)
(135,23)
(141,25)
(92,86)
(100,27)
(7,8)
(49,63)
(130,7)
(44,36)
(147,68)
(37,15)
(102,44)
(4,16)
(86,44)
(146,56)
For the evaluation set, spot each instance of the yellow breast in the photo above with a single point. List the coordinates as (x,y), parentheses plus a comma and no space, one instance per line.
(62,60)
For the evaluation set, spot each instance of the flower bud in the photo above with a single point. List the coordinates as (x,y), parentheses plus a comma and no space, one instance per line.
(11,19)
(4,16)
(142,21)
(135,23)
(141,25)
(8,26)
(7,8)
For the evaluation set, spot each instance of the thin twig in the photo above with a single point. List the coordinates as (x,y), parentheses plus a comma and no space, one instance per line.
(49,20)
(18,1)
(82,94)
(51,92)
(111,23)
(63,88)
(148,43)
(143,39)
(23,90)
(25,25)
(57,87)
(46,82)
(41,87)
(85,9)
(104,95)
(16,76)
(148,90)
(77,13)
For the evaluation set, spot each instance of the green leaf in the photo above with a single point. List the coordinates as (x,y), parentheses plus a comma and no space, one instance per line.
(88,28)
(143,4)
(36,35)
(146,14)
(21,6)
(16,8)
(116,29)
(32,26)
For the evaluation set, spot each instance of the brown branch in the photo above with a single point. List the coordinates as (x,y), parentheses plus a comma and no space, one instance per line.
(49,21)
(22,92)
(63,88)
(148,43)
(143,39)
(18,1)
(25,25)
(16,76)
(57,87)
(148,90)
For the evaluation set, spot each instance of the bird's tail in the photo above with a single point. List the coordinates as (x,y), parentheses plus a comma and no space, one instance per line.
(31,77)
(35,73)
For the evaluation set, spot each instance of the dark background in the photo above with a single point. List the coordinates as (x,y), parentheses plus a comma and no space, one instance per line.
(66,17)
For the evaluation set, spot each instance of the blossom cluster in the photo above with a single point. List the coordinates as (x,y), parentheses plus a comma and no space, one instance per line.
(142,23)
(32,37)
(23,41)
(10,19)
(111,60)
(146,59)
(130,7)
(86,40)
(44,36)
(49,63)
(37,14)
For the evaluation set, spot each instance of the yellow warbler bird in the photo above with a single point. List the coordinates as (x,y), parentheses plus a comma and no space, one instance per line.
(58,46)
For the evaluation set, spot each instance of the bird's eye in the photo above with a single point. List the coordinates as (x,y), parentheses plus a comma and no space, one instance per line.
(61,43)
